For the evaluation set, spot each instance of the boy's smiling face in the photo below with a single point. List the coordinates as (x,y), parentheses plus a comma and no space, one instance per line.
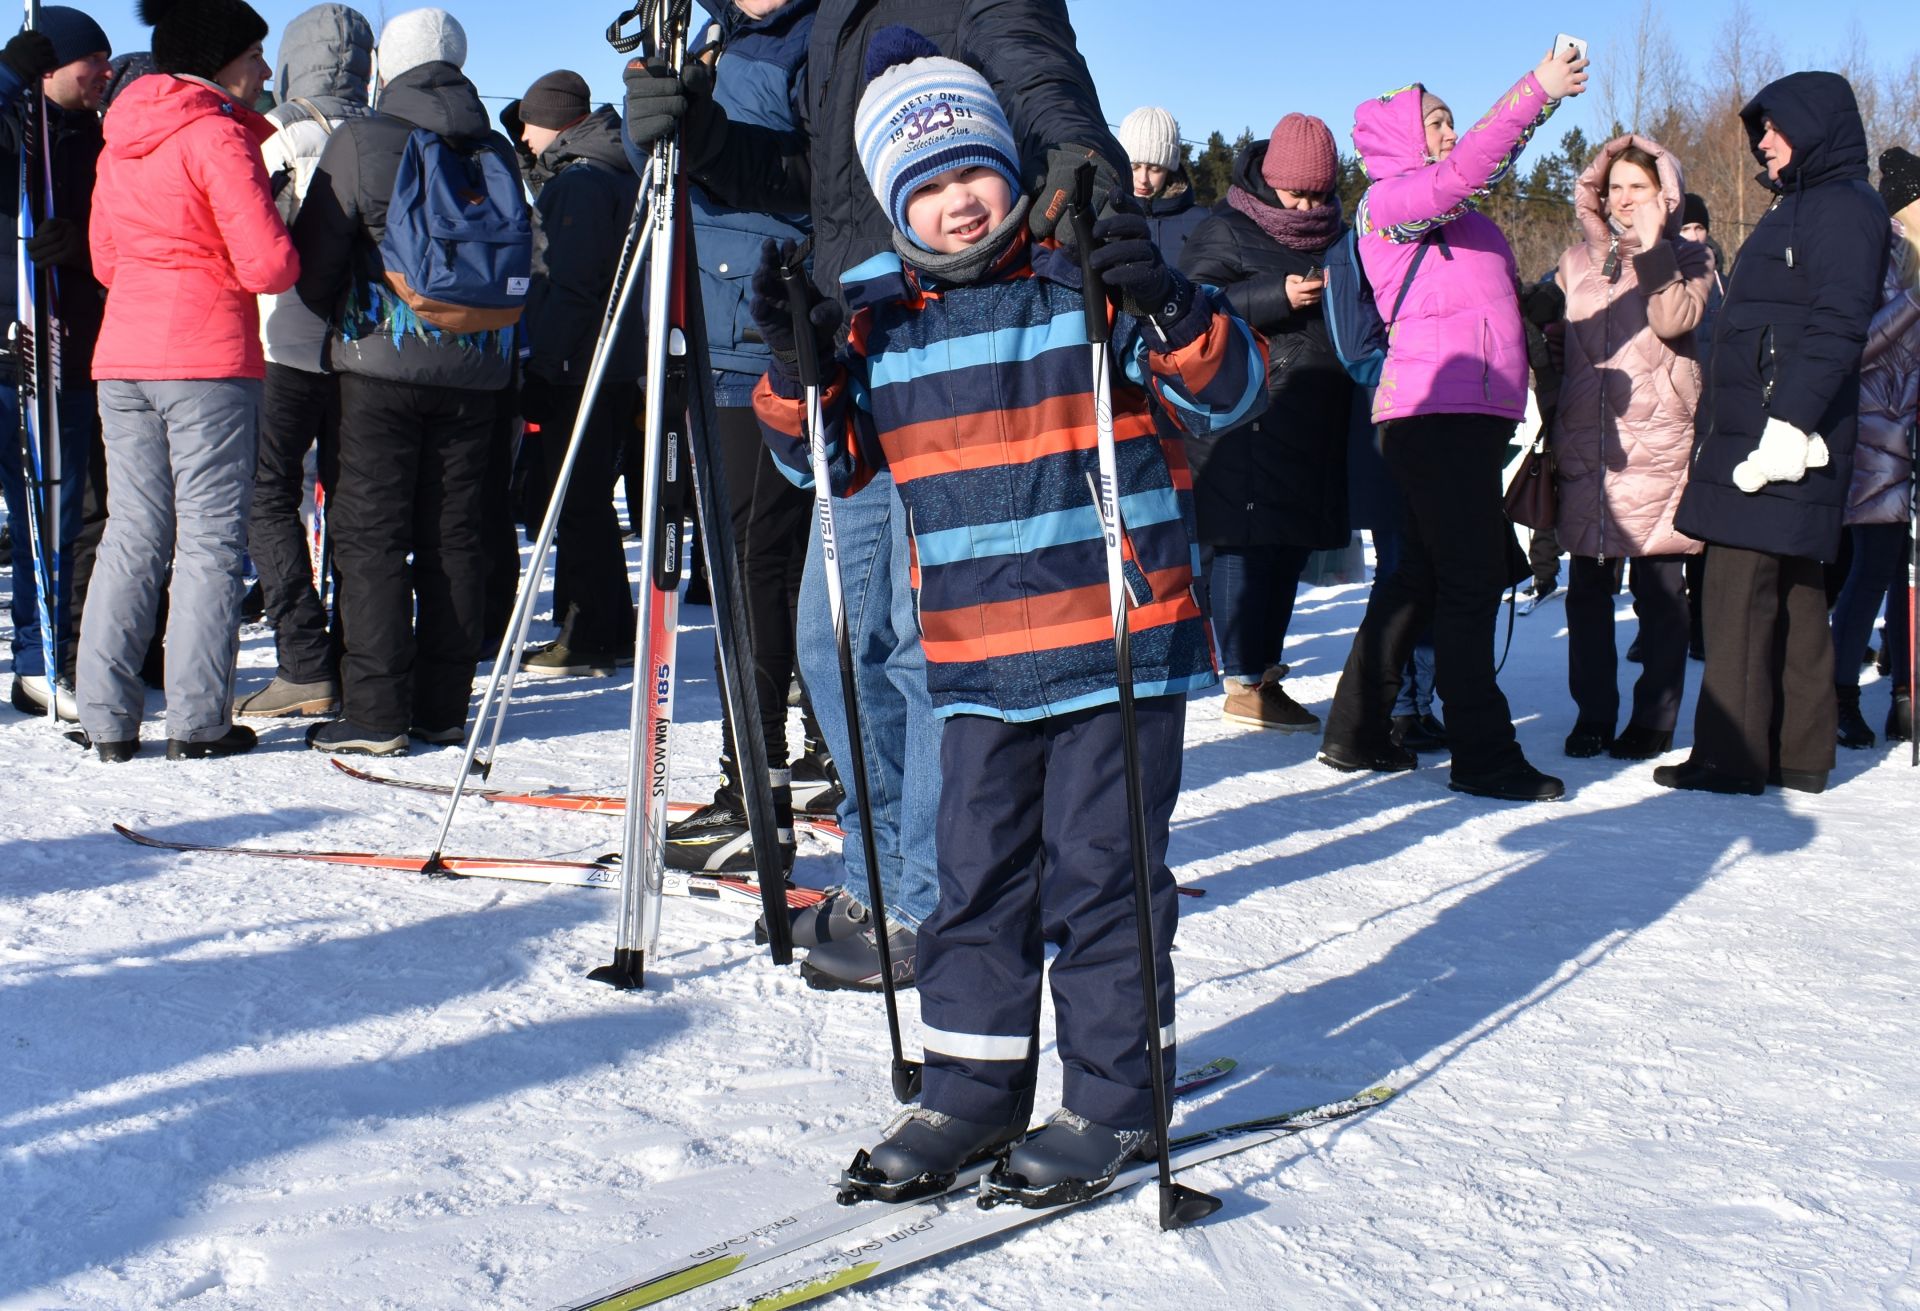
(955,209)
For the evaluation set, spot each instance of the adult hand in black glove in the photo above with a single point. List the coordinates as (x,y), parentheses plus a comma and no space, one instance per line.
(59,241)
(1056,183)
(658,100)
(537,400)
(31,57)
(772,312)
(1132,267)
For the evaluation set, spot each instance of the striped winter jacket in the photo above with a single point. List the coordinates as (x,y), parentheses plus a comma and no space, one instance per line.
(978,401)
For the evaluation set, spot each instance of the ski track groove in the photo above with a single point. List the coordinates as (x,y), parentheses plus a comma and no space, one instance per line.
(1653,1046)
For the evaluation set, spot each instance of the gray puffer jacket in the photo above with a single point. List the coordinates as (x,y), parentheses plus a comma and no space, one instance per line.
(325,65)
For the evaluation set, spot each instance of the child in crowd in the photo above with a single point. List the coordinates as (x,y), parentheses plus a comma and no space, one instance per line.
(966,375)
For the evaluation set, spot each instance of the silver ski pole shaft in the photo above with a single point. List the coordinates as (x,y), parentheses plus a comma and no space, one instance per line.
(506,662)
(1179,1205)
(651,718)
(906,1074)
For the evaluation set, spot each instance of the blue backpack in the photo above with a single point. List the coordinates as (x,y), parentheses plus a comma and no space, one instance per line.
(458,248)
(1353,320)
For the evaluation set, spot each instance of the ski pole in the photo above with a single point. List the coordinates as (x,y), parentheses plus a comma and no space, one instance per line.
(650,720)
(1913,585)
(1179,1205)
(906,1074)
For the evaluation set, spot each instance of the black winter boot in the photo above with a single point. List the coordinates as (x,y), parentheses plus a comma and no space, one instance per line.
(922,1153)
(1069,1160)
(1853,731)
(1900,716)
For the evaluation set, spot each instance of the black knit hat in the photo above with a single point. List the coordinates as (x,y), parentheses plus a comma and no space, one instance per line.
(74,35)
(1899,179)
(1694,210)
(559,99)
(200,37)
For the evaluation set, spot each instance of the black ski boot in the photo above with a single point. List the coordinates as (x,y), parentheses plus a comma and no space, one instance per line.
(1900,716)
(1069,1160)
(923,1153)
(852,963)
(816,784)
(1853,731)
(837,918)
(716,839)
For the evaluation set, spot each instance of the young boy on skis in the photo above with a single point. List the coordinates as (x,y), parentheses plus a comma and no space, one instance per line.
(966,374)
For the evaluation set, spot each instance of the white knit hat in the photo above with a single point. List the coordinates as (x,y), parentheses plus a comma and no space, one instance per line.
(1150,135)
(421,36)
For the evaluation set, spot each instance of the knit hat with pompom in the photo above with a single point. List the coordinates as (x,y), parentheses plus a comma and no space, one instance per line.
(921,115)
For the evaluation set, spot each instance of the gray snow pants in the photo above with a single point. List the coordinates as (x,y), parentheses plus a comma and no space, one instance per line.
(180,458)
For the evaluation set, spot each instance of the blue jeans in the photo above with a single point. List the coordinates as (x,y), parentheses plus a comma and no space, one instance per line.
(1416,681)
(897,728)
(77,416)
(1252,589)
(1878,570)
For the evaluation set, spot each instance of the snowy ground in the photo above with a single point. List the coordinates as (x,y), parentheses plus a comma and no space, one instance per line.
(1657,1049)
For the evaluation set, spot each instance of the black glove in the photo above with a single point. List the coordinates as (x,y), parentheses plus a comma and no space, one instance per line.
(658,100)
(773,313)
(536,400)
(61,242)
(1542,303)
(1054,187)
(1131,265)
(31,56)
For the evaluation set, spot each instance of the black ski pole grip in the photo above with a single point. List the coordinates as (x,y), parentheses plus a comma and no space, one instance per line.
(1080,224)
(800,302)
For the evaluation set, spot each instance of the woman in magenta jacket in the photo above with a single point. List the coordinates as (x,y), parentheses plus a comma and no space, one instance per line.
(1453,386)
(184,237)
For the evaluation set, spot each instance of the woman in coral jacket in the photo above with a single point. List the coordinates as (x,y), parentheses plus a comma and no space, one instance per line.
(1622,438)
(1452,389)
(184,237)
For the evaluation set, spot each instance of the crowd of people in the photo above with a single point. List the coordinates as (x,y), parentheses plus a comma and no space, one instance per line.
(252,337)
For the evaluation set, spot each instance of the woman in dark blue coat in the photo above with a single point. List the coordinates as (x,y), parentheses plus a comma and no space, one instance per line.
(1271,492)
(1786,351)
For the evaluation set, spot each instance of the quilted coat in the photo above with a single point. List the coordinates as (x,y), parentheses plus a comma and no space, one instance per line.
(1889,398)
(1624,433)
(184,234)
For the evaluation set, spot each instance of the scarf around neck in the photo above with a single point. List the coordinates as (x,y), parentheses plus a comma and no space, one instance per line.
(965,266)
(1307,230)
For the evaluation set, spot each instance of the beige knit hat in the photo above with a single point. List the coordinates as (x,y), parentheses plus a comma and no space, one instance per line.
(1150,135)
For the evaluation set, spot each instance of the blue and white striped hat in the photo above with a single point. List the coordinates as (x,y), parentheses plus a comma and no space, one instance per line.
(923,114)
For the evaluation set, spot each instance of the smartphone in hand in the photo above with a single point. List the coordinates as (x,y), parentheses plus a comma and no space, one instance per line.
(1562,42)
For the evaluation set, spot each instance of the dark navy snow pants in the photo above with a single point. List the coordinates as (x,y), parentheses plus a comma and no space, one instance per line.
(1033,844)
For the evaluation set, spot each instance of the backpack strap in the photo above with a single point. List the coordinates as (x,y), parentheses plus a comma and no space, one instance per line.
(1406,284)
(313,109)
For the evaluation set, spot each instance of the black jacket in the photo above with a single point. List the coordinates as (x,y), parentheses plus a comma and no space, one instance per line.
(1280,480)
(1787,341)
(1026,49)
(1173,216)
(582,211)
(342,277)
(77,143)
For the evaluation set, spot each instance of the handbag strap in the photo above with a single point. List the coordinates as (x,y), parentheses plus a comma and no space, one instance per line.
(1406,283)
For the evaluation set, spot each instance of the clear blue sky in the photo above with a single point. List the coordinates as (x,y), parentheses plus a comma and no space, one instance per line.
(1224,64)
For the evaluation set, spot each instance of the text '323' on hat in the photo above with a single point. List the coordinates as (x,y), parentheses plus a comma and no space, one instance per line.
(921,115)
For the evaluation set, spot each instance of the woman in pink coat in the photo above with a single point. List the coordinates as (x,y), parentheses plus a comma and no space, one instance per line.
(184,236)
(1453,386)
(1623,437)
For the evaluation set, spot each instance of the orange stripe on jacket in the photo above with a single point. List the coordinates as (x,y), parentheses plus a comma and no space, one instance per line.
(992,618)
(991,448)
(1079,632)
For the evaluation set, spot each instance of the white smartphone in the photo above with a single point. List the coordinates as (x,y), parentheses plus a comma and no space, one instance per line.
(1562,41)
